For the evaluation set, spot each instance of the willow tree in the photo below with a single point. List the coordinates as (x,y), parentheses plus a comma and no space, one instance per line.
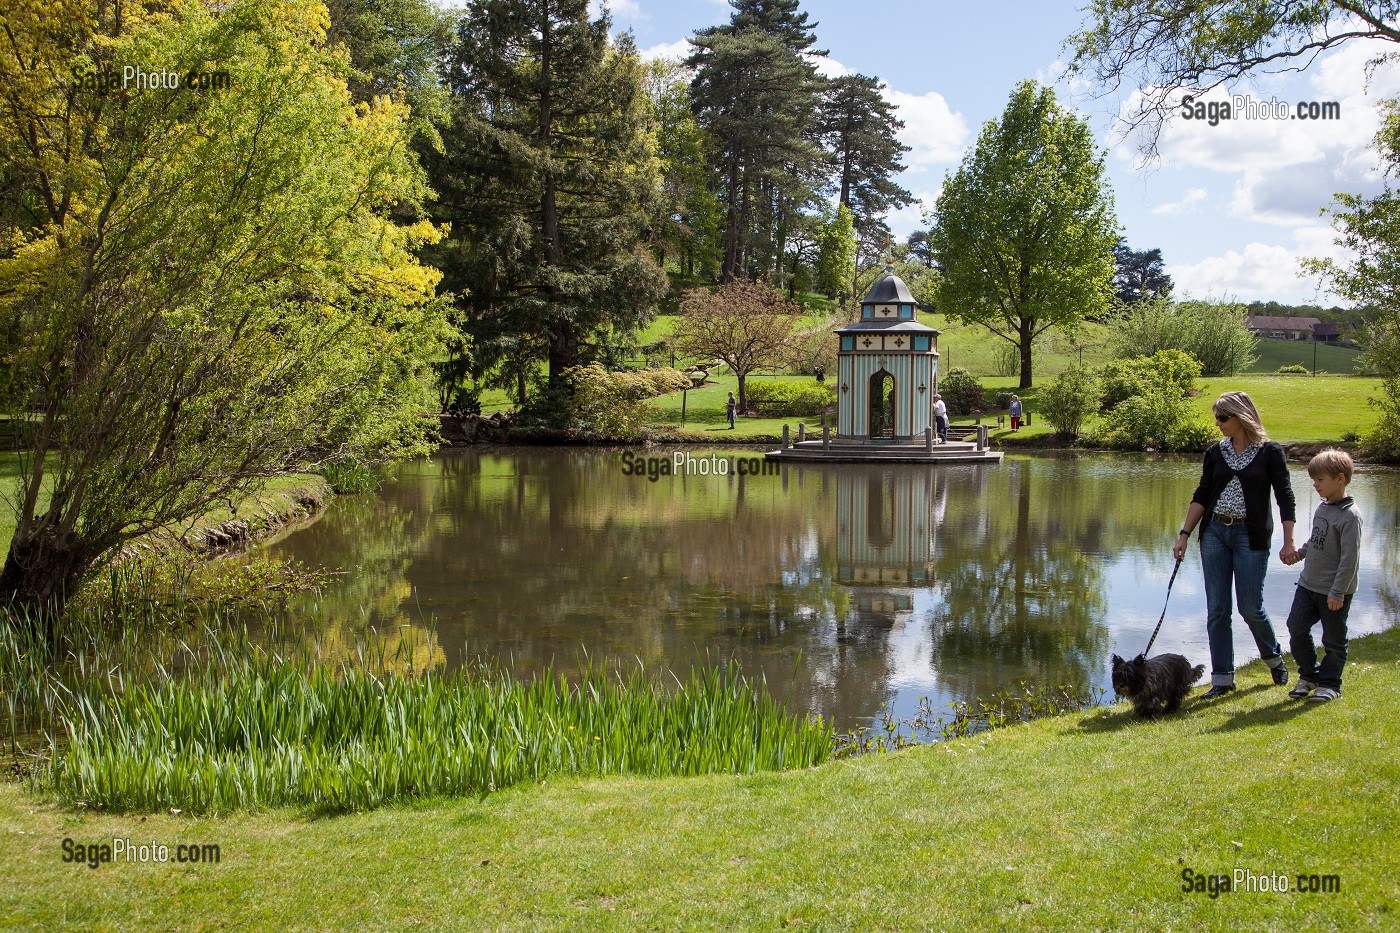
(1025,228)
(200,287)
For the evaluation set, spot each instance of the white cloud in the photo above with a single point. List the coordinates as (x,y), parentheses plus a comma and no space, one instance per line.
(1187,204)
(829,67)
(1261,272)
(622,10)
(908,219)
(676,51)
(934,134)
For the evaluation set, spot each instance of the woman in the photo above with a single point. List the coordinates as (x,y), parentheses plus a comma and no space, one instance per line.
(1014,410)
(731,408)
(1232,506)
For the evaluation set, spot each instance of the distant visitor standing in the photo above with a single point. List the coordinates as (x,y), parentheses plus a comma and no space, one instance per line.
(940,417)
(1014,410)
(731,408)
(1331,556)
(1231,504)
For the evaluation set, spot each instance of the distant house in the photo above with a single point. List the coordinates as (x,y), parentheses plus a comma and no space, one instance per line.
(1293,328)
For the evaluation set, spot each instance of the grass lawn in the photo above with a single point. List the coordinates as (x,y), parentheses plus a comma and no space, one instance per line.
(274,491)
(1087,821)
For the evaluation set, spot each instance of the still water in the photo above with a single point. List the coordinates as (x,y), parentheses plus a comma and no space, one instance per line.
(846,586)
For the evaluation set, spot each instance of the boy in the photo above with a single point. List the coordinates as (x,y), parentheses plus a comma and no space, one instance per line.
(1328,581)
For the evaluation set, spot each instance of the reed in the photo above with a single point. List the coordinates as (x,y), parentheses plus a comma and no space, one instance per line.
(265,732)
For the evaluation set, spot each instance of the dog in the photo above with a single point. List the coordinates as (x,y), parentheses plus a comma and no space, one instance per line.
(1155,685)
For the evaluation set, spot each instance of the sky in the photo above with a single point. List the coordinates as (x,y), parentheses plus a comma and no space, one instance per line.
(1233,207)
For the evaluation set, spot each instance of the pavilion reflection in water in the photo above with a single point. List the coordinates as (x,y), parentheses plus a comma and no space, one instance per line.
(886,533)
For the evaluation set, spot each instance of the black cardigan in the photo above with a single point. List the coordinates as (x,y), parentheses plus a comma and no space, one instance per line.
(1268,468)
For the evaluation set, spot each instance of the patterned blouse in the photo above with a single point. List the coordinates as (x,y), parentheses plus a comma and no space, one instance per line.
(1231,502)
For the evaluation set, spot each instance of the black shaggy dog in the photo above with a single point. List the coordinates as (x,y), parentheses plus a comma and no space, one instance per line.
(1156,685)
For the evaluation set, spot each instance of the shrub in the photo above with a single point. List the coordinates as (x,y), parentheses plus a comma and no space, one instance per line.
(1008,358)
(1161,420)
(1166,371)
(611,403)
(1296,369)
(464,402)
(1216,335)
(961,391)
(1070,400)
(798,399)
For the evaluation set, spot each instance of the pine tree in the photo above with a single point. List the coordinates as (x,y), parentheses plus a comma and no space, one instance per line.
(859,127)
(549,183)
(757,93)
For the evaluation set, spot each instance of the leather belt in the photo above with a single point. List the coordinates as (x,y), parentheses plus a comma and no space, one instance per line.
(1227,519)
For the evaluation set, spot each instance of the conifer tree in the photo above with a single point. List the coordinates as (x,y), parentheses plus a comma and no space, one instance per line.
(549,183)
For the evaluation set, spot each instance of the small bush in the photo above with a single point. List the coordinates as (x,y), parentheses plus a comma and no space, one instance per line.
(1159,420)
(611,403)
(1008,358)
(1164,372)
(1069,401)
(1297,369)
(962,392)
(464,402)
(797,399)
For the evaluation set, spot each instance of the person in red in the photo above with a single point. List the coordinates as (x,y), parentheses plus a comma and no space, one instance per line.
(1014,410)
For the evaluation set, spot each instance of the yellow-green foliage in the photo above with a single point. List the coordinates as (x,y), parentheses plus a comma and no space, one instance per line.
(612,403)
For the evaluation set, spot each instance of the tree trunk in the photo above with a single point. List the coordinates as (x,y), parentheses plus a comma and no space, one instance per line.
(1026,330)
(743,395)
(41,574)
(729,267)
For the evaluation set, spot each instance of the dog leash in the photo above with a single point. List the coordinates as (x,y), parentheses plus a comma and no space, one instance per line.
(1164,610)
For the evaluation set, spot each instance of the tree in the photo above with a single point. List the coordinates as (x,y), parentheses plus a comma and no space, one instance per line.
(1024,230)
(1139,275)
(549,182)
(748,325)
(918,246)
(1368,229)
(688,213)
(757,93)
(200,287)
(1216,334)
(397,47)
(836,252)
(858,126)
(1162,46)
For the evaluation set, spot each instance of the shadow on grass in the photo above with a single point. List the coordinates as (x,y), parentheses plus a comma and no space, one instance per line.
(1285,709)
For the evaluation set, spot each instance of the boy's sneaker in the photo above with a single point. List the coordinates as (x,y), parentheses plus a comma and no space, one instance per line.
(1323,694)
(1303,688)
(1280,675)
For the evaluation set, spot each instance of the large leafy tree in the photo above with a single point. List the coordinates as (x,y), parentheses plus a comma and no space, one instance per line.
(199,288)
(688,212)
(1369,230)
(1025,228)
(1159,47)
(549,182)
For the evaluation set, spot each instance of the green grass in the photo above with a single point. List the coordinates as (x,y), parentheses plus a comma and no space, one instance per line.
(263,733)
(1081,822)
(1330,359)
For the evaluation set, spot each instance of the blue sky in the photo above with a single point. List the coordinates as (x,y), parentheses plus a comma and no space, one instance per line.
(1233,207)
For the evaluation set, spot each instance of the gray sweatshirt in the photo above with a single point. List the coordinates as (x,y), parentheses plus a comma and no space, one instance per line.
(1332,549)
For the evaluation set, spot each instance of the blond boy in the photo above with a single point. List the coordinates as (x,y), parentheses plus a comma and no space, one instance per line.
(1328,581)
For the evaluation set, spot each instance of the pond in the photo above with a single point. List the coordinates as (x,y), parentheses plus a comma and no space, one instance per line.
(845,586)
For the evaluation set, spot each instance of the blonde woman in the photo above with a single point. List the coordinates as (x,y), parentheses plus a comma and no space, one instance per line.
(1231,505)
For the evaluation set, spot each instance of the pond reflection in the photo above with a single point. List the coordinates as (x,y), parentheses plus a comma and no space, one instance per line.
(845,586)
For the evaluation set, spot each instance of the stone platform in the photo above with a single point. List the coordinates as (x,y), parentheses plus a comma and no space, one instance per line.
(846,451)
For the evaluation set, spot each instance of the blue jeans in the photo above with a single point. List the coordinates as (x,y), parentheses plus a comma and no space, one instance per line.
(1226,558)
(942,423)
(1309,608)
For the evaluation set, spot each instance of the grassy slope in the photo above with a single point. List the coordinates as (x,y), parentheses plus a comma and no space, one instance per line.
(1082,822)
(272,495)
